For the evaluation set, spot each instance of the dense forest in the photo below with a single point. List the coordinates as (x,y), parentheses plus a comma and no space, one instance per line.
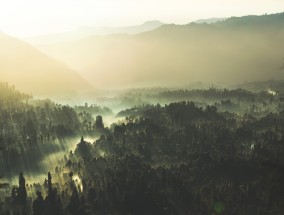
(174,151)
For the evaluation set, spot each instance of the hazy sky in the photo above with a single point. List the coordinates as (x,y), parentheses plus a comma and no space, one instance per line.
(35,17)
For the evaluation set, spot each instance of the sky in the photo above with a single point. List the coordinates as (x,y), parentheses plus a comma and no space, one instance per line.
(23,18)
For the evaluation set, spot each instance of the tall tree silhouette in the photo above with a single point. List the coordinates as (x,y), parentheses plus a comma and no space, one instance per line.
(38,204)
(22,192)
(52,201)
(2,185)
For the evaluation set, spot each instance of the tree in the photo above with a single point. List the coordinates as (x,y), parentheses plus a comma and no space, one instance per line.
(22,192)
(38,204)
(49,183)
(3,185)
(83,149)
(52,201)
(99,122)
(75,206)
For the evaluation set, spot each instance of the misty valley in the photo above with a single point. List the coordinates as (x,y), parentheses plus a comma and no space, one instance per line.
(153,119)
(164,151)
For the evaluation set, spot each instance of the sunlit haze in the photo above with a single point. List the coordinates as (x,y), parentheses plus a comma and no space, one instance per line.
(141,107)
(35,17)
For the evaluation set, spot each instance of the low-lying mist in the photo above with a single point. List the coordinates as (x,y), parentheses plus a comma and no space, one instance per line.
(49,156)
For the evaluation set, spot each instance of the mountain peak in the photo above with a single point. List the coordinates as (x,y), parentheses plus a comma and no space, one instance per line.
(153,22)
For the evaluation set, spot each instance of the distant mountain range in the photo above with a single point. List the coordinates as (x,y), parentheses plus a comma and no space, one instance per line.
(238,49)
(33,72)
(235,50)
(209,21)
(85,32)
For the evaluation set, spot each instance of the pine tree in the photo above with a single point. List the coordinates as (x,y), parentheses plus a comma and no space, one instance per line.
(22,192)
(38,204)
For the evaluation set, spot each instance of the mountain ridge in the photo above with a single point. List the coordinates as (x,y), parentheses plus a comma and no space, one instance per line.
(84,32)
(235,50)
(35,72)
(209,20)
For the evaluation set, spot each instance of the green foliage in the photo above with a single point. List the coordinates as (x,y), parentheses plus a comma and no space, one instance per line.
(218,208)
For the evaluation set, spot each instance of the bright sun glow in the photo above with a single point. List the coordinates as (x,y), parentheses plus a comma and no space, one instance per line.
(35,17)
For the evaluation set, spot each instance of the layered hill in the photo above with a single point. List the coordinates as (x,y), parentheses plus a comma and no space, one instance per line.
(33,72)
(85,32)
(236,50)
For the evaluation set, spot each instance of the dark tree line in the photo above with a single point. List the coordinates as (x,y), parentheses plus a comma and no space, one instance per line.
(178,158)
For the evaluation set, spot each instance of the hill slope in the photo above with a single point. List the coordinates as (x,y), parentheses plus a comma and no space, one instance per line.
(85,32)
(236,50)
(33,72)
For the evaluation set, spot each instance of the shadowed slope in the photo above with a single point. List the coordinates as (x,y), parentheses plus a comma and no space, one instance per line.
(33,72)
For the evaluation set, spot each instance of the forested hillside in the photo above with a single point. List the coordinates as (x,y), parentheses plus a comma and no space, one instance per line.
(32,129)
(178,158)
